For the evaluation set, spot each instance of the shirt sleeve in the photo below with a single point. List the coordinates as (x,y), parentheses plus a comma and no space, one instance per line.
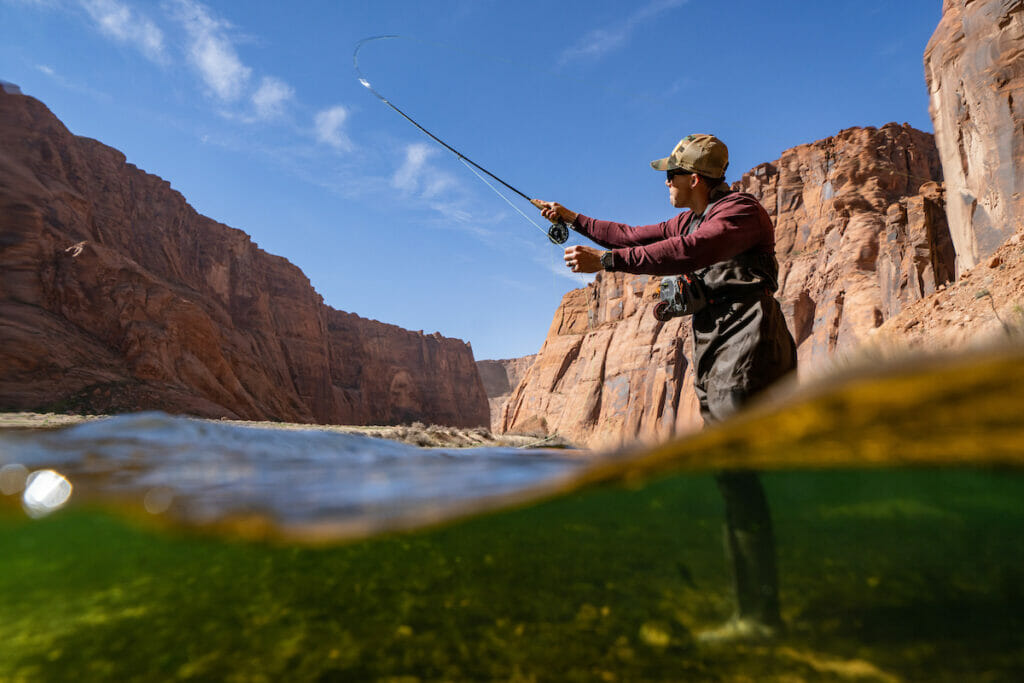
(724,233)
(611,235)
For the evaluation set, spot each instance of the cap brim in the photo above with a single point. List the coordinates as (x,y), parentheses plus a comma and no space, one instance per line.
(661,164)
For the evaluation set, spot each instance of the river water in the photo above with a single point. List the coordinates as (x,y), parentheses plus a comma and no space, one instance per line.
(303,485)
(149,547)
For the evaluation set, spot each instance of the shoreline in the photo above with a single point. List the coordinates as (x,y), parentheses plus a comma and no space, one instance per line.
(416,434)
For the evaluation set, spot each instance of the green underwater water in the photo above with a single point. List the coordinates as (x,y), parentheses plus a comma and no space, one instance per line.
(886,574)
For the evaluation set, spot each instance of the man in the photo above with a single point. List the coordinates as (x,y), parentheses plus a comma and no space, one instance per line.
(741,343)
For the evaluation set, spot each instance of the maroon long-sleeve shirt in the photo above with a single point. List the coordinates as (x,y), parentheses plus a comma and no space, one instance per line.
(734,224)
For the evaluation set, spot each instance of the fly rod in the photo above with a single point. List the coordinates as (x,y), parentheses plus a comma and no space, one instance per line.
(558,233)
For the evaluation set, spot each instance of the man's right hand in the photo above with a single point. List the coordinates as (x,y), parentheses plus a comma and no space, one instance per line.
(554,211)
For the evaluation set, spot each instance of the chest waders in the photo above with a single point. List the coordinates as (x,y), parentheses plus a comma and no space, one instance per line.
(710,295)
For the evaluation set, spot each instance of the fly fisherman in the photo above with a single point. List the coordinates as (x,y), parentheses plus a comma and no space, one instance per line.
(741,345)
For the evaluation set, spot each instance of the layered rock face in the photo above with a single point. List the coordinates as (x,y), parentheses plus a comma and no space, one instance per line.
(608,371)
(383,374)
(115,295)
(974,66)
(860,233)
(500,377)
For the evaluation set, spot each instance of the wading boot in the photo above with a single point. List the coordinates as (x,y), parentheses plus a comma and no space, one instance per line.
(751,555)
(740,630)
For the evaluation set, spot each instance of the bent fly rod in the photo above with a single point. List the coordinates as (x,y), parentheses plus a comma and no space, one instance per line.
(558,233)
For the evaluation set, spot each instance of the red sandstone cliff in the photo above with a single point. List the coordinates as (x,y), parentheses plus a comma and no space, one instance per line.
(866,248)
(856,241)
(974,66)
(864,243)
(115,295)
(608,372)
(500,377)
(860,232)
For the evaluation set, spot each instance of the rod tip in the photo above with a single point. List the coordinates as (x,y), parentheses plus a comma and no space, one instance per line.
(366,83)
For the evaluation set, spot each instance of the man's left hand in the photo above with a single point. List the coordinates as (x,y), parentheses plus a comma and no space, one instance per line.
(581,259)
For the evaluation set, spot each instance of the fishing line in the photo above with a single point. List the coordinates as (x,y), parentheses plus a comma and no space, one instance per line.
(558,233)
(518,210)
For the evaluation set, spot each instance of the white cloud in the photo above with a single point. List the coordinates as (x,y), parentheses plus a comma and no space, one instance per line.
(73,85)
(408,174)
(123,24)
(601,41)
(436,184)
(211,51)
(454,212)
(329,125)
(270,99)
(209,46)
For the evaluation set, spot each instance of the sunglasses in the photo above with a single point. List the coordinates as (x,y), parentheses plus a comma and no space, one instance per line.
(672,173)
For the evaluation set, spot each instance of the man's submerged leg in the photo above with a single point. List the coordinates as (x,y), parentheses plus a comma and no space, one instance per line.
(750,550)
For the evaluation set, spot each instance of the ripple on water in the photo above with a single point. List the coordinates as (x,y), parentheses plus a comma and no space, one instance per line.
(299,483)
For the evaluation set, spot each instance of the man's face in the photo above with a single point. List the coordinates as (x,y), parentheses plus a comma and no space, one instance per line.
(680,188)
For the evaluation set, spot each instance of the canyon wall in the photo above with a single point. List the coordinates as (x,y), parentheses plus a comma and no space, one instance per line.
(860,231)
(115,295)
(877,230)
(860,234)
(500,377)
(608,371)
(974,67)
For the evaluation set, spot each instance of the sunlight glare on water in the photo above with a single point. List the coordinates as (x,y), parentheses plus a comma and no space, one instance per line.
(45,492)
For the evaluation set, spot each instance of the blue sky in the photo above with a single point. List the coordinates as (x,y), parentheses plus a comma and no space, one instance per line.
(252,111)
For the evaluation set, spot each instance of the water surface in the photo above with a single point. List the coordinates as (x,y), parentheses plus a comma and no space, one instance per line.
(189,550)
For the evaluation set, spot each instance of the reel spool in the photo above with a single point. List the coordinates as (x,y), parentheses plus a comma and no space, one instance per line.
(558,233)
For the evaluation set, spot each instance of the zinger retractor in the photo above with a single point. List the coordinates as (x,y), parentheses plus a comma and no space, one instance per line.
(558,232)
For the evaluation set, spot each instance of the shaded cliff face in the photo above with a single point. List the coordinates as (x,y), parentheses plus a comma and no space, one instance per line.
(860,234)
(383,374)
(115,295)
(500,377)
(974,66)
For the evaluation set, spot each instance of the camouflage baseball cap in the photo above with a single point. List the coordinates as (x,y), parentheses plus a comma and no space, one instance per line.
(700,153)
